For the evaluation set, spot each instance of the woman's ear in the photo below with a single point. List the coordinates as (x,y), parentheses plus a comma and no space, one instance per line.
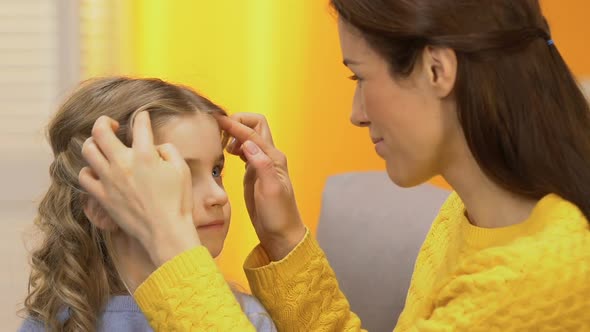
(98,216)
(441,66)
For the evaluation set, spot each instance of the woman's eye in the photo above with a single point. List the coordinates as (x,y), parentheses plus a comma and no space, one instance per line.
(353,78)
(217,170)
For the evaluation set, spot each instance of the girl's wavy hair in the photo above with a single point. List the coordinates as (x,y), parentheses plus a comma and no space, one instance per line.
(74,269)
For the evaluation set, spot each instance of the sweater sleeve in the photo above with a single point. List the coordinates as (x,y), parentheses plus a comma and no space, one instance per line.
(300,292)
(189,293)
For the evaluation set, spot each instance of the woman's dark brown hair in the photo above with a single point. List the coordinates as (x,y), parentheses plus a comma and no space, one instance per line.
(524,116)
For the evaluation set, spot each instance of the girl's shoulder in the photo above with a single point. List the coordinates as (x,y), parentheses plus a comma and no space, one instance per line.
(31,325)
(256,312)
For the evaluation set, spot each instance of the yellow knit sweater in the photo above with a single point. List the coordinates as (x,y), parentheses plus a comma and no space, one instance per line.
(534,276)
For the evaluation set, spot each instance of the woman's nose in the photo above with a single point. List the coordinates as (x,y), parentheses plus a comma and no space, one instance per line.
(358,117)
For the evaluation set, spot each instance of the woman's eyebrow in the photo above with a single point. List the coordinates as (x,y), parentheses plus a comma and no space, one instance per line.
(348,62)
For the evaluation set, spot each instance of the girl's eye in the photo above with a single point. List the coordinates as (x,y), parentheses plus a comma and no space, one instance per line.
(217,170)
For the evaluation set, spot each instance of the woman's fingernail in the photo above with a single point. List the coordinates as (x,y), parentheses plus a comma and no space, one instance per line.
(231,144)
(251,147)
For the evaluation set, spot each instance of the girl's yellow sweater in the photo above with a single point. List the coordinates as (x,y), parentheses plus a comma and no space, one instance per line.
(533,276)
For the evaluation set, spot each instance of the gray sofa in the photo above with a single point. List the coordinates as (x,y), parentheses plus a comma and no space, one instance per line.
(371,231)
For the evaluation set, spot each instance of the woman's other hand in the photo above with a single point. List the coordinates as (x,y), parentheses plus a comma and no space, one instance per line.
(268,191)
(145,189)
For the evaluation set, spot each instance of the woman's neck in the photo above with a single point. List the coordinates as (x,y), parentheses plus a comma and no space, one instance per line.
(487,204)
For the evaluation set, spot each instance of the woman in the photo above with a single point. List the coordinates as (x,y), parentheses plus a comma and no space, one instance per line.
(475,91)
(75,283)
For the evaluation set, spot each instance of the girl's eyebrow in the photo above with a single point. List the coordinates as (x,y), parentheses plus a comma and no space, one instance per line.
(219,160)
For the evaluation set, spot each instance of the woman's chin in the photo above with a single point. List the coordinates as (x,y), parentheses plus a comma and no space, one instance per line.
(403,179)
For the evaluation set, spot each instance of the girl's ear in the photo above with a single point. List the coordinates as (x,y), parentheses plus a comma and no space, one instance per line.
(98,216)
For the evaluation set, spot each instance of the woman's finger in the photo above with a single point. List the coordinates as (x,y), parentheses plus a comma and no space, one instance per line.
(231,146)
(255,121)
(94,157)
(103,134)
(235,148)
(243,133)
(240,153)
(143,137)
(89,181)
(170,154)
(264,166)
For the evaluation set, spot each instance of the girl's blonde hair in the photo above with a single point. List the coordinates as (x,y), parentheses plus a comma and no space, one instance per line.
(73,269)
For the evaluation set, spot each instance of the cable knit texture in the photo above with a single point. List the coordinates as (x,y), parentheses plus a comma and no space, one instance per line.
(533,276)
(300,292)
(189,293)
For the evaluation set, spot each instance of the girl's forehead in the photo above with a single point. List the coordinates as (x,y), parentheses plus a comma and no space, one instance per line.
(195,136)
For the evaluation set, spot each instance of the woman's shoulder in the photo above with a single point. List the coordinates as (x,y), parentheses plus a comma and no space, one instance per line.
(452,209)
(536,275)
(550,251)
(555,235)
(447,220)
(552,254)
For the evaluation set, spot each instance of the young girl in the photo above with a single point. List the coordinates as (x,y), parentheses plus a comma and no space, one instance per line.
(75,282)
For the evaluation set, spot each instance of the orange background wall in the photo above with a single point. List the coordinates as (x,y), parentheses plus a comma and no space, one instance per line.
(571,32)
(282,59)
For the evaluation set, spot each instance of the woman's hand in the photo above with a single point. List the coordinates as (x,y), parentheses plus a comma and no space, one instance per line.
(267,188)
(145,189)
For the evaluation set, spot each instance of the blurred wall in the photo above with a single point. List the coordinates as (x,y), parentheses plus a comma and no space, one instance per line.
(38,63)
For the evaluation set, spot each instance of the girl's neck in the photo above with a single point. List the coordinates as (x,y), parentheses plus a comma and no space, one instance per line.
(132,262)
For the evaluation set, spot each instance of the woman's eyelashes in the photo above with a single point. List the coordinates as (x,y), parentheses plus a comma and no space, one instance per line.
(354,77)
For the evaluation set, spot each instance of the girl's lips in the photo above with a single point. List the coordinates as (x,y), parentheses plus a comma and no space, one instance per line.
(212,225)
